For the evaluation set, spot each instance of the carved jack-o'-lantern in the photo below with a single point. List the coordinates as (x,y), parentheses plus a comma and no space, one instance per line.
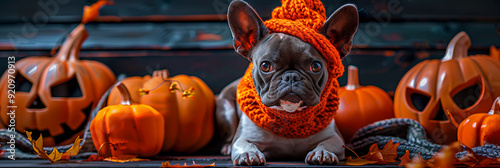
(54,95)
(458,85)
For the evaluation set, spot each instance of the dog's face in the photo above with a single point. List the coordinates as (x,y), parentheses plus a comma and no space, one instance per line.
(288,73)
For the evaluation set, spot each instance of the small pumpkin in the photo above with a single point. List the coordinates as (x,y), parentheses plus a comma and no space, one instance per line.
(139,127)
(482,128)
(55,95)
(495,53)
(460,84)
(189,123)
(360,105)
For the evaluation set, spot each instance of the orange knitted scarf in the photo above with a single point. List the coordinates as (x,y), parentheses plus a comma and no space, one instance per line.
(302,19)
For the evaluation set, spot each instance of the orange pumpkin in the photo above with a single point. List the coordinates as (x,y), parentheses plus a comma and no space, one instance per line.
(482,128)
(459,84)
(138,126)
(188,122)
(495,53)
(55,95)
(360,105)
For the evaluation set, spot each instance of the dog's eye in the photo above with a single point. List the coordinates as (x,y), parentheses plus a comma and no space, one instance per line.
(315,67)
(266,66)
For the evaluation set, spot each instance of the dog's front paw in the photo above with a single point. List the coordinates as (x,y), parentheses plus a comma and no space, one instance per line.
(321,157)
(250,159)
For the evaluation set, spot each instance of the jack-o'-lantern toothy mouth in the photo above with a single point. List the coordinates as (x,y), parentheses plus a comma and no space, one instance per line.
(68,132)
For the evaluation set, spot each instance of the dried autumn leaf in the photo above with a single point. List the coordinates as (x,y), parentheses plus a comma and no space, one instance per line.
(469,159)
(473,160)
(55,155)
(446,157)
(358,161)
(390,151)
(375,156)
(416,162)
(387,155)
(74,149)
(419,162)
(94,158)
(405,159)
(125,158)
(167,164)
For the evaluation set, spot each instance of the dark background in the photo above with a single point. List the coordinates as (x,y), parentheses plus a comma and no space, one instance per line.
(192,37)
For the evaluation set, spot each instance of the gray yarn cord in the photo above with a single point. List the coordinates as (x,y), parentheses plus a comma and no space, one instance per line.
(24,149)
(409,133)
(488,150)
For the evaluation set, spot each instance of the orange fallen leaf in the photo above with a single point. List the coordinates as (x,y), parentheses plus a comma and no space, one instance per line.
(473,160)
(376,156)
(405,159)
(167,164)
(358,161)
(390,151)
(95,158)
(418,162)
(55,155)
(387,155)
(446,157)
(125,158)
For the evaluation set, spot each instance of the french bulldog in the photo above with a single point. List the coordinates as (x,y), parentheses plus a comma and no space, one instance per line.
(283,83)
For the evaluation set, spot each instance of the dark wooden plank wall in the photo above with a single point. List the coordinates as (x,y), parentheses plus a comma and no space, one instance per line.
(192,37)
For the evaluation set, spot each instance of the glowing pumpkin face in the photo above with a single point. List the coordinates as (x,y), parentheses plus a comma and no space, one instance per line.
(54,95)
(457,84)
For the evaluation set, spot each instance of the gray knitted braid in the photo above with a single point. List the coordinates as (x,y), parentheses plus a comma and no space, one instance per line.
(488,150)
(409,133)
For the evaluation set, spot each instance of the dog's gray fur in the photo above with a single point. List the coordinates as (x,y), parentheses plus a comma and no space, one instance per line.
(290,81)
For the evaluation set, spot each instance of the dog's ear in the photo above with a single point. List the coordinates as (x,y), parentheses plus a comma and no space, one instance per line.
(246,26)
(340,28)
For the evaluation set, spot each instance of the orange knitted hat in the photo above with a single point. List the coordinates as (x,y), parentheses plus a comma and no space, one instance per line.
(302,19)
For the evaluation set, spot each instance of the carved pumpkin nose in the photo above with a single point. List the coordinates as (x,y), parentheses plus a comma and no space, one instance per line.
(37,104)
(440,115)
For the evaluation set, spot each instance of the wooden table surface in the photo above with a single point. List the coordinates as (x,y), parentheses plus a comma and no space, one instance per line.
(220,161)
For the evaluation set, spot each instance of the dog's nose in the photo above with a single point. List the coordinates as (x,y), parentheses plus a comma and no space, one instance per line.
(291,77)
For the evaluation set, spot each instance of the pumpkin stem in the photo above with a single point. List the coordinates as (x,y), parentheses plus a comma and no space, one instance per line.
(458,46)
(164,74)
(495,108)
(71,47)
(125,95)
(352,78)
(90,13)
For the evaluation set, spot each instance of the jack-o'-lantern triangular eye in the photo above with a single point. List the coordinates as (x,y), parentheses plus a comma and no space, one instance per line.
(417,100)
(69,88)
(22,84)
(467,94)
